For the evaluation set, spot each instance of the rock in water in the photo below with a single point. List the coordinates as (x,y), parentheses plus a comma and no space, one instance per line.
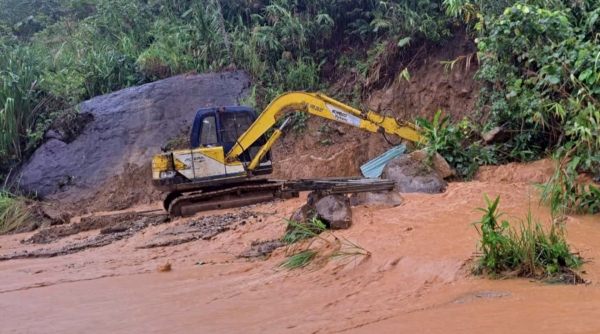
(335,211)
(440,165)
(413,176)
(388,198)
(302,215)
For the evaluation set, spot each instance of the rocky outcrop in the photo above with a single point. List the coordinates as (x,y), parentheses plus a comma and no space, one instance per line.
(125,129)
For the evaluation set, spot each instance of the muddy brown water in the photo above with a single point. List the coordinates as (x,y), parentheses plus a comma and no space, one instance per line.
(415,281)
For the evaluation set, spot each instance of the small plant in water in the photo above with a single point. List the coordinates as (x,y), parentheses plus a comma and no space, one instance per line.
(531,250)
(301,254)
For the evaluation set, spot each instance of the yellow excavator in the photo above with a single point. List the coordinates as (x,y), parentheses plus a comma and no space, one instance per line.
(229,152)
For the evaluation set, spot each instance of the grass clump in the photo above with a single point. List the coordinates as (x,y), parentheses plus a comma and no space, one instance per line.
(529,250)
(312,243)
(14,212)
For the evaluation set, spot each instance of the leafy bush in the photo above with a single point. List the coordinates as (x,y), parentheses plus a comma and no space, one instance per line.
(529,251)
(454,143)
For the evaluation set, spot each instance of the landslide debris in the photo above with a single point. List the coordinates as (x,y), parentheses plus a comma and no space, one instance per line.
(262,248)
(114,230)
(203,228)
(106,224)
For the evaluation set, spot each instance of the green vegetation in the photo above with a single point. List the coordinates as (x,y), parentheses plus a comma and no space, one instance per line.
(312,243)
(455,144)
(530,250)
(540,85)
(14,212)
(54,54)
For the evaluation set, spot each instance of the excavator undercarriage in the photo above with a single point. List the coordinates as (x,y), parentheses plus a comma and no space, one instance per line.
(264,190)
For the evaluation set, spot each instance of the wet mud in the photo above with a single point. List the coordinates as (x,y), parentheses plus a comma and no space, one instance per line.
(225,276)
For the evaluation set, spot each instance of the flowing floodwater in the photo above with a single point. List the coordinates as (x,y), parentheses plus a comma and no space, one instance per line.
(416,281)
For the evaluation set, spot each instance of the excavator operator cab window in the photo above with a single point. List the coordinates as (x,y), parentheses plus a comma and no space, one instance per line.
(234,124)
(208,133)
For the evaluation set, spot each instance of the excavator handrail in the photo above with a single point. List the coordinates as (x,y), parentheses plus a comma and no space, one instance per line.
(323,106)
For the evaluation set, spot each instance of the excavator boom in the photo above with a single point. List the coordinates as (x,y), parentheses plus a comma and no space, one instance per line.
(322,106)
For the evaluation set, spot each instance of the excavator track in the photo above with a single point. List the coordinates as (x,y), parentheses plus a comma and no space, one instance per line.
(237,196)
(254,192)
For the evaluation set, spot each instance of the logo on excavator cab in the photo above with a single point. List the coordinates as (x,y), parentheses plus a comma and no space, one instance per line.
(197,159)
(342,116)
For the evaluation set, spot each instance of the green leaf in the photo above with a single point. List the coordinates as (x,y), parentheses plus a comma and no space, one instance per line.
(552,79)
(404,74)
(404,41)
(585,74)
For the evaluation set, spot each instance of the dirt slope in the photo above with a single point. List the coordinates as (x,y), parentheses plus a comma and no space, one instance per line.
(117,145)
(327,149)
(415,281)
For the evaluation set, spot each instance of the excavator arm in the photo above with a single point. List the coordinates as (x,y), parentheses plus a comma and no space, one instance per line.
(319,105)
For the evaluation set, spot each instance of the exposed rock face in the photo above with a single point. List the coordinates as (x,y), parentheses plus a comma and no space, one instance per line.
(413,176)
(125,127)
(495,135)
(388,198)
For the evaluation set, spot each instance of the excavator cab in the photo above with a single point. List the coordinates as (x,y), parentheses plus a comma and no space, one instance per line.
(214,132)
(222,127)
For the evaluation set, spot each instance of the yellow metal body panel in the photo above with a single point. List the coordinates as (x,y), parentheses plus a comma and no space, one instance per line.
(204,162)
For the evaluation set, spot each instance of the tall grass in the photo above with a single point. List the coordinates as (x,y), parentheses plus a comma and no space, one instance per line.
(529,250)
(14,212)
(19,75)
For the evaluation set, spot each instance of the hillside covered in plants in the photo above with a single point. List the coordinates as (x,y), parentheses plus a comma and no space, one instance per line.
(537,65)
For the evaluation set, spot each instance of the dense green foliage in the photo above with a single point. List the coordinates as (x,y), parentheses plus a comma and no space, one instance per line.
(539,68)
(55,54)
(530,251)
(455,143)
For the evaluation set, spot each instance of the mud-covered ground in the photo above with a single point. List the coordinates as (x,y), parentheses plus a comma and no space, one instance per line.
(416,280)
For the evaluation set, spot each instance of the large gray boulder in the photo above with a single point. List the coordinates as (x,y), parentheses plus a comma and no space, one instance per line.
(124,130)
(413,176)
